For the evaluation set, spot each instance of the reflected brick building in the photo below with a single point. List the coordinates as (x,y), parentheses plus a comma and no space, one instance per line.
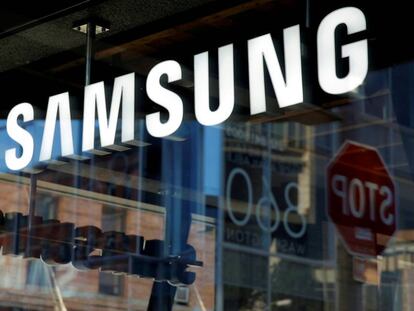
(32,284)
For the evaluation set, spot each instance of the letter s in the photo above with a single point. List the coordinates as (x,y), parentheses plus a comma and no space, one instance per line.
(21,136)
(163,97)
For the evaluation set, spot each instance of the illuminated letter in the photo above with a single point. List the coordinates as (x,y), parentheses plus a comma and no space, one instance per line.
(124,90)
(165,98)
(58,102)
(261,50)
(226,87)
(356,52)
(21,136)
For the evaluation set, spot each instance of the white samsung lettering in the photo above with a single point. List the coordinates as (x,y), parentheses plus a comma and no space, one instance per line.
(165,98)
(356,52)
(203,112)
(57,103)
(261,51)
(261,54)
(123,92)
(21,136)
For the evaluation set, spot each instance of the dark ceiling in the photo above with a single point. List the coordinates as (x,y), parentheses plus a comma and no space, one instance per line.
(29,32)
(16,15)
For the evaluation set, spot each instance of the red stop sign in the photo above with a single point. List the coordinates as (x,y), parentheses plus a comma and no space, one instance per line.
(361,199)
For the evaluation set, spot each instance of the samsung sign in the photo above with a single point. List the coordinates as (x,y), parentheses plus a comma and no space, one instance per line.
(287,86)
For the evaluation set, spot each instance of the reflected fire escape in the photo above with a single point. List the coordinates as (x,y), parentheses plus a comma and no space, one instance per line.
(175,234)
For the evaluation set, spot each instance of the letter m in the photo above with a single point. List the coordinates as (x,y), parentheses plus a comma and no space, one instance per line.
(123,94)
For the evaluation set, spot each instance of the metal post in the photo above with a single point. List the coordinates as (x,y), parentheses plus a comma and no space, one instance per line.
(90,53)
(177,224)
(32,200)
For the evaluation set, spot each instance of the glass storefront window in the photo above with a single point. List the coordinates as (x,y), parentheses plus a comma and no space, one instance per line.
(206,155)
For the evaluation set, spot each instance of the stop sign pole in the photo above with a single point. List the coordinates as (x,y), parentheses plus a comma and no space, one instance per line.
(361,199)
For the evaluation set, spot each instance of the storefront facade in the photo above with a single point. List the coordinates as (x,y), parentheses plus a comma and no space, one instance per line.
(206,155)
